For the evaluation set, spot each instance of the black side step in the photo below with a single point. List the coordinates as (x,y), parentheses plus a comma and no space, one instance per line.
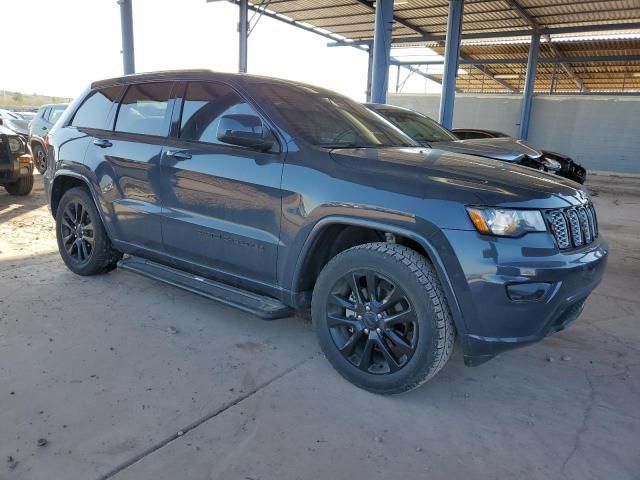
(267,308)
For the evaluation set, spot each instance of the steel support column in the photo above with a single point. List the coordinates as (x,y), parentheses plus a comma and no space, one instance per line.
(381,51)
(527,97)
(243,30)
(126,26)
(451,56)
(369,71)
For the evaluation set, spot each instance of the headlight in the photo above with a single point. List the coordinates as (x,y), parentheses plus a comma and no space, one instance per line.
(506,222)
(15,145)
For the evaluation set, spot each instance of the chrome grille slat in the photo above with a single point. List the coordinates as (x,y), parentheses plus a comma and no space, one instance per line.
(584,224)
(559,228)
(573,227)
(592,226)
(595,221)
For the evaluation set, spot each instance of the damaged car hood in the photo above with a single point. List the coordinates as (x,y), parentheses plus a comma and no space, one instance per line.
(506,149)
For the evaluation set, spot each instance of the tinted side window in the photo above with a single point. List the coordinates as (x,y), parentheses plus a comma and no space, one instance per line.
(95,109)
(204,105)
(145,109)
(45,113)
(56,113)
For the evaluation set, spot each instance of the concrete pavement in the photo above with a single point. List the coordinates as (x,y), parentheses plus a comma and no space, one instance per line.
(127,378)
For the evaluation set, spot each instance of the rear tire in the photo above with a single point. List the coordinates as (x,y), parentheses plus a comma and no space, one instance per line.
(22,187)
(83,243)
(396,332)
(39,157)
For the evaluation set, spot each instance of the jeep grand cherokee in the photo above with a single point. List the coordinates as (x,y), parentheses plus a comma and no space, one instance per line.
(273,195)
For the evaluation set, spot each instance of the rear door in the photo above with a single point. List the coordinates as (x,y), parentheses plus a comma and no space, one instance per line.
(222,202)
(126,160)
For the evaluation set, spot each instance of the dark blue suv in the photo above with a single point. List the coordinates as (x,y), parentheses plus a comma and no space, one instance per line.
(272,196)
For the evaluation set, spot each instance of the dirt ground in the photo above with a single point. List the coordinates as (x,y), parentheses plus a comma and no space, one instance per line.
(120,377)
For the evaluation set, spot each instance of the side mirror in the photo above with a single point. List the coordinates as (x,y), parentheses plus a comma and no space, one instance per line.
(245,131)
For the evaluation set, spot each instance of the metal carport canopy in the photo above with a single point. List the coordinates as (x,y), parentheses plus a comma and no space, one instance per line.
(488,30)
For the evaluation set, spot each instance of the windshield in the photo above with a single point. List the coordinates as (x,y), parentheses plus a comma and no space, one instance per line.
(9,114)
(420,128)
(330,120)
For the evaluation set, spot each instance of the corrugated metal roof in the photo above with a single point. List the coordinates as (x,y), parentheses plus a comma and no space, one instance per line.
(354,20)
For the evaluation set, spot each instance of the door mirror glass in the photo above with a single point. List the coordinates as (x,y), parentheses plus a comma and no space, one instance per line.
(245,131)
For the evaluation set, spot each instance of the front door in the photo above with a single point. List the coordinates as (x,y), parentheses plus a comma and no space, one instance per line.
(221,203)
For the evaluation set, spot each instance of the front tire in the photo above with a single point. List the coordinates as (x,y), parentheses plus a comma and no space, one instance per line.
(381,317)
(21,187)
(83,243)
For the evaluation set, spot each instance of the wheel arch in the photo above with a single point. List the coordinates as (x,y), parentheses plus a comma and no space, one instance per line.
(64,181)
(33,141)
(326,228)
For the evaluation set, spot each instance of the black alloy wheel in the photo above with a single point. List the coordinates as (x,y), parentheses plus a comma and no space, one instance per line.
(78,234)
(381,317)
(372,322)
(83,242)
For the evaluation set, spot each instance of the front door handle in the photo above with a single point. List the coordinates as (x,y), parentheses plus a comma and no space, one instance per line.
(44,128)
(102,143)
(178,154)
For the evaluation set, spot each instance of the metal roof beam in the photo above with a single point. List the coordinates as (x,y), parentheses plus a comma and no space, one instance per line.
(533,23)
(518,61)
(506,33)
(423,32)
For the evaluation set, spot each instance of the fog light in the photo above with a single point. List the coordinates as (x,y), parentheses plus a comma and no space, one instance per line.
(25,159)
(527,292)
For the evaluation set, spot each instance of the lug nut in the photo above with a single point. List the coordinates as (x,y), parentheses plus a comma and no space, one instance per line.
(359,317)
(367,308)
(378,330)
(379,316)
(366,331)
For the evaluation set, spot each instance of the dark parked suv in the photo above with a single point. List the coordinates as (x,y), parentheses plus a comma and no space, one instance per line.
(273,195)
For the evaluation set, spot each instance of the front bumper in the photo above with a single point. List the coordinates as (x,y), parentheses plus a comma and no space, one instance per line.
(491,274)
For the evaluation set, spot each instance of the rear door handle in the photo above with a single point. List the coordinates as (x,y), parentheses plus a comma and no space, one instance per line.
(178,154)
(102,143)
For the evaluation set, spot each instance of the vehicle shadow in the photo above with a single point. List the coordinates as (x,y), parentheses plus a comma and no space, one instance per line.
(12,206)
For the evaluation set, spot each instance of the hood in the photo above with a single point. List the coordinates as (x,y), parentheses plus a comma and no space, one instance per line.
(6,131)
(18,126)
(434,173)
(505,148)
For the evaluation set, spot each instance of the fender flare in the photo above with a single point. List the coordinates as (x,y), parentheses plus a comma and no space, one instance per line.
(434,256)
(78,176)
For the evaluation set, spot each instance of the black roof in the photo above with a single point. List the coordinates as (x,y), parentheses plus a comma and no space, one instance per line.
(197,74)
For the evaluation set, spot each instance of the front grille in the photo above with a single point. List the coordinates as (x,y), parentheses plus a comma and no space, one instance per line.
(573,227)
(5,155)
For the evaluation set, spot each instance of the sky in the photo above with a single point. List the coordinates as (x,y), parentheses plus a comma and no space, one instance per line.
(79,41)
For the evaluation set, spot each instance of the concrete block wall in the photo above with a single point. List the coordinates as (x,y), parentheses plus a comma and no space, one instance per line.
(600,132)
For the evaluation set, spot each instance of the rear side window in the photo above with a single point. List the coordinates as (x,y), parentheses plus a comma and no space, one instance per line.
(94,110)
(204,105)
(45,113)
(145,109)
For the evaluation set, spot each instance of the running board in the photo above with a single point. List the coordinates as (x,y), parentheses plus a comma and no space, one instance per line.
(267,308)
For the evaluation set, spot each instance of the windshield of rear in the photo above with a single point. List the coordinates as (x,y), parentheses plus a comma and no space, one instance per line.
(420,128)
(330,120)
